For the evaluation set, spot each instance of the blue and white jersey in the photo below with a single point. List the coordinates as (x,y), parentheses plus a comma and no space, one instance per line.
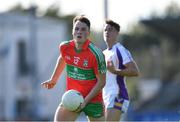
(116,84)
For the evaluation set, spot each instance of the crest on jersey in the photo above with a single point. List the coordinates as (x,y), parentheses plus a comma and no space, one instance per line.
(85,63)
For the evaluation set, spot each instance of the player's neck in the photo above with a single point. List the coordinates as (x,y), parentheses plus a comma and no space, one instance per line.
(110,44)
(78,45)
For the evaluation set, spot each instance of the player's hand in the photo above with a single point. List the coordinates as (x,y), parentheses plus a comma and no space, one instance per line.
(110,67)
(79,109)
(49,84)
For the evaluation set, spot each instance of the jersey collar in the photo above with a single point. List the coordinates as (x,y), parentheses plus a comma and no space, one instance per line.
(85,45)
(112,46)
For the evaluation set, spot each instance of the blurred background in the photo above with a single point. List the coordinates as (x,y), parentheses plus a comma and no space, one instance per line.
(31,31)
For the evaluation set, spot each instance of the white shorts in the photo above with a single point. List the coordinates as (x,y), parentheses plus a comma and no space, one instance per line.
(118,103)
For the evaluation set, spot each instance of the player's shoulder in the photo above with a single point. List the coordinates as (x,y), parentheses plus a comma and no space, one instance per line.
(64,43)
(97,53)
(94,48)
(123,51)
(120,47)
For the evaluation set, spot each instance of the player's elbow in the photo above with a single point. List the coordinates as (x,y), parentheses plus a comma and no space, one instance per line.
(134,70)
(102,80)
(103,83)
(135,73)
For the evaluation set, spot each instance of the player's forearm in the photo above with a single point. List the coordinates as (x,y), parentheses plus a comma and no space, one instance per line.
(97,88)
(58,69)
(126,72)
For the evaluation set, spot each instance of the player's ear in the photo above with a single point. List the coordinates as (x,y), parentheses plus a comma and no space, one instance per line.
(88,33)
(72,31)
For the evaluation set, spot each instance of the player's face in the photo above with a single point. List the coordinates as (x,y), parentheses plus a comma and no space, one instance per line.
(80,32)
(110,34)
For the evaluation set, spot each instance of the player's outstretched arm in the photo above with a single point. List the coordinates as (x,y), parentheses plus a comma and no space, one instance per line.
(57,72)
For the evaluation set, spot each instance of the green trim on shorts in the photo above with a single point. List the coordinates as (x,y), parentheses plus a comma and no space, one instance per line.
(94,110)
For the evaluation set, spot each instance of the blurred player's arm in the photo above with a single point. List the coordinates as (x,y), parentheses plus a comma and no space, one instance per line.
(56,73)
(131,69)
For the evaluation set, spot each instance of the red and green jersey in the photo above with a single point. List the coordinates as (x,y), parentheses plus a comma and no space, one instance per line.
(83,66)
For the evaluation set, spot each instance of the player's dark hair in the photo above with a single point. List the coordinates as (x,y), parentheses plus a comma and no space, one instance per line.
(113,24)
(83,19)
